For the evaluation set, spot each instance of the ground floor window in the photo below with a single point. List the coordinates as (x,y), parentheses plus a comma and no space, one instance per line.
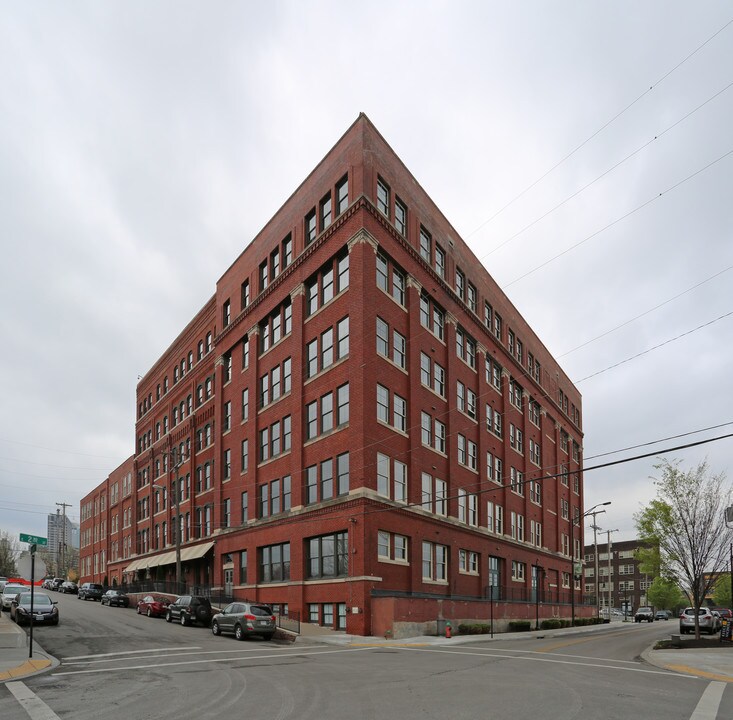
(331,615)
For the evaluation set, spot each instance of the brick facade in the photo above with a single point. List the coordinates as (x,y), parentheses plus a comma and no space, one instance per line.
(364,305)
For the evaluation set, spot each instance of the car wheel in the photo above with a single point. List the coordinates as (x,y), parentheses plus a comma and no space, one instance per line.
(149,613)
(215,629)
(184,621)
(139,611)
(238,632)
(168,617)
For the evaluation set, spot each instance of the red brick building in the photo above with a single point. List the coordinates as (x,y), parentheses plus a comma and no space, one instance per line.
(371,433)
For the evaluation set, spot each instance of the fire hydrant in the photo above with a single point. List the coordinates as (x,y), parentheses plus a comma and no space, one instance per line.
(448,629)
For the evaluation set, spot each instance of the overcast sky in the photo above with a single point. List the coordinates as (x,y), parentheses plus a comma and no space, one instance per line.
(144,144)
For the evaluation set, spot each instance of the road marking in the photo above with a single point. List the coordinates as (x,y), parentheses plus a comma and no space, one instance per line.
(106,659)
(578,641)
(700,673)
(203,662)
(707,708)
(580,657)
(32,704)
(127,652)
(550,660)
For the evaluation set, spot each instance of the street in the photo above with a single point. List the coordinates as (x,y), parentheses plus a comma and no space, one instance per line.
(121,664)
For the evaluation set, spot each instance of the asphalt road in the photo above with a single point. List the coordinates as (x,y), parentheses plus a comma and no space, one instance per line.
(118,664)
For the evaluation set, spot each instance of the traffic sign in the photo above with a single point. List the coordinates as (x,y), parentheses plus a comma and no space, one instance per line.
(33,539)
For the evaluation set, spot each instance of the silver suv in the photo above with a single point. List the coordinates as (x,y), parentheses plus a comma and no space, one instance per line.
(242,619)
(709,620)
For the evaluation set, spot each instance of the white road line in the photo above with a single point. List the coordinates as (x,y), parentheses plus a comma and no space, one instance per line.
(127,652)
(237,650)
(565,655)
(203,662)
(32,704)
(550,660)
(707,708)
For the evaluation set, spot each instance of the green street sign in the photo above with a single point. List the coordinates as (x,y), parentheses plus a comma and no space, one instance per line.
(33,539)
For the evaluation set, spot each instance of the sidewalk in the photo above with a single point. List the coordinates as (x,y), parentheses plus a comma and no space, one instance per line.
(14,660)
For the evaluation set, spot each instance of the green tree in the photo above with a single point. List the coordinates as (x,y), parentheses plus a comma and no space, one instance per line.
(686,520)
(722,591)
(9,551)
(665,594)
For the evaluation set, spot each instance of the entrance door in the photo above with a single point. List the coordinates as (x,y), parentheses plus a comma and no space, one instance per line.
(494,578)
(228,581)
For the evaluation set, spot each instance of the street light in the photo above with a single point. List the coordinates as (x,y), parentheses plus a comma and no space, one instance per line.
(174,467)
(572,556)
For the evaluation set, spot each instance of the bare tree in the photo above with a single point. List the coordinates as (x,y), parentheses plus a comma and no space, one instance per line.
(9,552)
(687,521)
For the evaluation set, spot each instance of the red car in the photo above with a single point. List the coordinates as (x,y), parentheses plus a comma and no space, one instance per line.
(153,606)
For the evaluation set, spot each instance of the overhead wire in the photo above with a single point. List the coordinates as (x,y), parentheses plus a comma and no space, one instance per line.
(601,129)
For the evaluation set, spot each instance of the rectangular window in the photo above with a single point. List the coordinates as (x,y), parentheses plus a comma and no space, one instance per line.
(342,405)
(245,302)
(383,197)
(226,313)
(439,260)
(275,563)
(287,251)
(471,297)
(399,349)
(245,455)
(310,227)
(327,555)
(434,562)
(460,284)
(342,194)
(326,214)
(400,217)
(382,404)
(382,337)
(426,245)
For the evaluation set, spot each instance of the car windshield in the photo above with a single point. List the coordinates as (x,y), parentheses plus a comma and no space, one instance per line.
(38,599)
(14,589)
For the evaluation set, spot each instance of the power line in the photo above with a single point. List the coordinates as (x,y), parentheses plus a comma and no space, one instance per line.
(619,219)
(648,350)
(646,312)
(656,442)
(56,450)
(604,173)
(601,129)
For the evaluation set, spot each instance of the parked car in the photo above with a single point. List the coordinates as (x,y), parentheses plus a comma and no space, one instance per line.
(68,587)
(46,584)
(9,592)
(116,598)
(661,615)
(44,609)
(708,621)
(153,606)
(644,613)
(57,583)
(188,609)
(724,613)
(243,619)
(93,591)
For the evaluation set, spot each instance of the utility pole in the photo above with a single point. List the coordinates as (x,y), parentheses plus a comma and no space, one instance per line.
(63,507)
(595,551)
(609,575)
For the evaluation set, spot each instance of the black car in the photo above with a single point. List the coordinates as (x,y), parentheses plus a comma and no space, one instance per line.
(116,598)
(91,591)
(43,610)
(189,609)
(69,587)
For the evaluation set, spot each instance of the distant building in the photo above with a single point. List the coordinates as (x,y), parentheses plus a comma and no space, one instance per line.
(627,584)
(60,535)
(357,426)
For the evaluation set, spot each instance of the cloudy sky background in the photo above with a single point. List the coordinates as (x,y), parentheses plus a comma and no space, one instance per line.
(143,145)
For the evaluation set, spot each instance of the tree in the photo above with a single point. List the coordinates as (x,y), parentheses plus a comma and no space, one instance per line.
(722,591)
(686,520)
(664,593)
(9,552)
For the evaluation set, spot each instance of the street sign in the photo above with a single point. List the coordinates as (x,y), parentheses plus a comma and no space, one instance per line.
(33,539)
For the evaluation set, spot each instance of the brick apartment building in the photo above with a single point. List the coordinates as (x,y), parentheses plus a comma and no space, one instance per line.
(627,584)
(371,433)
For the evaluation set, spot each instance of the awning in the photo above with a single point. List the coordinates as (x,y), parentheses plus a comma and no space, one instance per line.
(194,552)
(168,558)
